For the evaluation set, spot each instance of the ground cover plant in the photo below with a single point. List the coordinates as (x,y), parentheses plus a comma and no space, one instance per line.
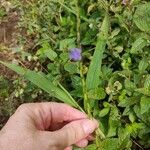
(93,55)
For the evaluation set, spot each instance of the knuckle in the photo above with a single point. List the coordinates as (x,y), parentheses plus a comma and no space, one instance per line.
(22,107)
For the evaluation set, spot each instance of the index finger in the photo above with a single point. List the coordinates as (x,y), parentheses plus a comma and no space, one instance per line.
(49,113)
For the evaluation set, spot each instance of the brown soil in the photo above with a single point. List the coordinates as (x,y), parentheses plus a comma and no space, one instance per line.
(8,39)
(8,29)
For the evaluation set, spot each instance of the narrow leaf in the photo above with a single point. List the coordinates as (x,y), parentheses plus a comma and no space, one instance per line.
(42,82)
(93,74)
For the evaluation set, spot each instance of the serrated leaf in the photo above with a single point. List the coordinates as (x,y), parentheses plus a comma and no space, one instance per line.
(138,45)
(144,91)
(130,85)
(71,67)
(113,122)
(46,51)
(124,139)
(142,17)
(97,93)
(134,127)
(51,54)
(126,111)
(109,144)
(145,104)
(143,65)
(67,44)
(42,82)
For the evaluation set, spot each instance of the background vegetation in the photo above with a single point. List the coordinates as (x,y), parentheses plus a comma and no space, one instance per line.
(46,32)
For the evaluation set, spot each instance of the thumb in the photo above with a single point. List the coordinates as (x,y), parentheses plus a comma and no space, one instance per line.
(74,132)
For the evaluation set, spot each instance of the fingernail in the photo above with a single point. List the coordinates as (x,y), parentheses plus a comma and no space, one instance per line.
(89,126)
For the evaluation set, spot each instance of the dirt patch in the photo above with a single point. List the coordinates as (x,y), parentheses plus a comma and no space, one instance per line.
(8,39)
(9,30)
(4,71)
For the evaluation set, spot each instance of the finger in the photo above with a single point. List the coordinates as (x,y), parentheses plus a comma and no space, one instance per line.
(82,143)
(46,114)
(90,138)
(74,132)
(57,126)
(68,148)
(65,113)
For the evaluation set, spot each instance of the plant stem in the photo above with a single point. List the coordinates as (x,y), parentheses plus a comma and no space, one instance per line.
(86,103)
(73,12)
(87,108)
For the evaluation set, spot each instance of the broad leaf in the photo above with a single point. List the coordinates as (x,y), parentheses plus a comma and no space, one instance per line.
(97,94)
(142,17)
(143,65)
(145,104)
(138,45)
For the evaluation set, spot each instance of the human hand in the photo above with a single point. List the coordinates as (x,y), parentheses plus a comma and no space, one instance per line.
(46,126)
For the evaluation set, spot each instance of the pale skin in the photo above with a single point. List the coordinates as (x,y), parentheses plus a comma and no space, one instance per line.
(46,126)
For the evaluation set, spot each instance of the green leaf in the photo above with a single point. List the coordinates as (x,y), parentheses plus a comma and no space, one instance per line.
(66,44)
(142,17)
(42,82)
(104,112)
(126,111)
(114,122)
(124,139)
(114,33)
(147,82)
(145,104)
(46,51)
(130,85)
(51,54)
(97,94)
(92,80)
(144,91)
(71,67)
(138,45)
(143,65)
(109,144)
(132,116)
(91,147)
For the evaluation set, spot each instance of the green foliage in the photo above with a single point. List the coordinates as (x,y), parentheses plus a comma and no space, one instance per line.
(95,65)
(111,83)
(39,79)
(142,17)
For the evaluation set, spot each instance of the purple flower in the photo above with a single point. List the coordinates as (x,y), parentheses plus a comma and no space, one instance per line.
(75,54)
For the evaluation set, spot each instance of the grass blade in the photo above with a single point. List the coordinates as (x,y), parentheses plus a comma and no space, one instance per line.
(42,82)
(92,79)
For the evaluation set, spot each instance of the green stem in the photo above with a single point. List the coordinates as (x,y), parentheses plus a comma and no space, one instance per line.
(78,23)
(73,12)
(87,108)
(86,103)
